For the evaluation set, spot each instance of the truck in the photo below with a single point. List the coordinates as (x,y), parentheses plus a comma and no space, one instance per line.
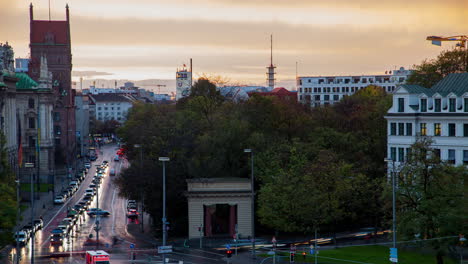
(97,257)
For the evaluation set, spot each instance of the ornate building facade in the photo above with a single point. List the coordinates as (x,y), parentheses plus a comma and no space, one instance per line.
(52,40)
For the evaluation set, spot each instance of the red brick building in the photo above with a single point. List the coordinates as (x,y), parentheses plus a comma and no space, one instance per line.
(52,39)
(279,92)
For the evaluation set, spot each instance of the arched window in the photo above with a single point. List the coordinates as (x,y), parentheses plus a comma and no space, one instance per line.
(31,103)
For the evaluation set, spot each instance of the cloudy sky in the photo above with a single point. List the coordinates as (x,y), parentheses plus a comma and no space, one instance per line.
(149,39)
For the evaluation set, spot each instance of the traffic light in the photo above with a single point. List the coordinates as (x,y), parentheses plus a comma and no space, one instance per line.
(291,257)
(229,253)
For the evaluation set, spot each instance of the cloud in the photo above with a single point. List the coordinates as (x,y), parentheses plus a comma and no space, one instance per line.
(89,74)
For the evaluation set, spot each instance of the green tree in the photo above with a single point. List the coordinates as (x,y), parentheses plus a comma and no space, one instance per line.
(430,198)
(431,71)
(7,197)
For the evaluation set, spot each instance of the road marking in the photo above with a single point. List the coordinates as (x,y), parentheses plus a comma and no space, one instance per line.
(113,214)
(178,253)
(204,251)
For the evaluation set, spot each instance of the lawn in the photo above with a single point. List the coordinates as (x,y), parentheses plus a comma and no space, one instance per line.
(367,255)
(43,187)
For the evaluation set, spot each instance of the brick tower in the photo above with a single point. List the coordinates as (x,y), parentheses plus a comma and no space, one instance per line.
(52,39)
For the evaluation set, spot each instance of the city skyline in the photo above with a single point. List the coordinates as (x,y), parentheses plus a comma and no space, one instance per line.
(231,38)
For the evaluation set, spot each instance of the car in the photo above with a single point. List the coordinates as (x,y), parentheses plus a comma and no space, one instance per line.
(87,165)
(56,237)
(116,158)
(112,172)
(21,237)
(93,186)
(93,158)
(88,199)
(90,190)
(71,190)
(65,226)
(131,204)
(97,211)
(132,213)
(59,199)
(84,205)
(66,193)
(38,224)
(31,228)
(79,208)
(105,162)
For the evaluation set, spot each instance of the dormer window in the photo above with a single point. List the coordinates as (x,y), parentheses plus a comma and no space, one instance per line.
(452,104)
(437,105)
(423,105)
(401,105)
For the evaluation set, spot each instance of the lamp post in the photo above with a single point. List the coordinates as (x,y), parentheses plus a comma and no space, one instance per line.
(141,193)
(164,159)
(17,218)
(253,198)
(394,223)
(31,166)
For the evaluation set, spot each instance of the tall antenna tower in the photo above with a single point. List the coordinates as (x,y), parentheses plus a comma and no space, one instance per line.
(271,68)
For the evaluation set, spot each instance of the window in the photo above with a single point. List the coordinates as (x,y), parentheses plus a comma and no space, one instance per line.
(58,130)
(31,103)
(317,97)
(451,130)
(319,90)
(32,122)
(327,97)
(465,157)
(452,103)
(437,103)
(423,105)
(437,129)
(465,130)
(56,117)
(401,154)
(408,153)
(392,129)
(32,141)
(423,129)
(393,153)
(401,105)
(436,153)
(99,108)
(401,129)
(335,98)
(451,156)
(465,101)
(409,129)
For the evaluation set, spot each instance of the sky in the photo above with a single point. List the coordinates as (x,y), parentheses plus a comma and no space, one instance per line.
(149,39)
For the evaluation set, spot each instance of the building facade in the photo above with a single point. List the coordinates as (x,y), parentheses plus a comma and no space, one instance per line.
(52,39)
(439,113)
(183,83)
(8,116)
(82,123)
(327,90)
(111,107)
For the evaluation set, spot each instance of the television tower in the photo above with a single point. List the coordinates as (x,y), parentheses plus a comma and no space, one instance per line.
(271,68)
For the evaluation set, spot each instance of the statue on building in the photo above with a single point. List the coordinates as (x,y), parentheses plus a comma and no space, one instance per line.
(6,58)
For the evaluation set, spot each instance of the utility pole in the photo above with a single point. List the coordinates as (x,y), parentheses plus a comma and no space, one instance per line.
(31,167)
(17,217)
(98,218)
(394,223)
(142,197)
(164,159)
(253,199)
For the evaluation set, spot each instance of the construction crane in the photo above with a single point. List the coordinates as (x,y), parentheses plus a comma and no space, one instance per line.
(461,39)
(159,87)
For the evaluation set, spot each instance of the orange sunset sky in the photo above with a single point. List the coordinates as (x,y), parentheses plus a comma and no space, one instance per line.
(149,39)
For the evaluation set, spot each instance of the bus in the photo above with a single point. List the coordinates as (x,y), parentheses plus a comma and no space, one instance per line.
(97,257)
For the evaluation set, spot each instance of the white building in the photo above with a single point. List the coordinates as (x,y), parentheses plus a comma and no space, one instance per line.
(111,106)
(440,113)
(325,90)
(93,90)
(183,83)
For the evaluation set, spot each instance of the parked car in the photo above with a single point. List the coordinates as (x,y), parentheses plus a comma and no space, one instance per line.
(112,172)
(131,204)
(87,199)
(38,224)
(21,237)
(84,204)
(93,186)
(90,190)
(30,227)
(79,208)
(116,158)
(59,199)
(87,165)
(132,213)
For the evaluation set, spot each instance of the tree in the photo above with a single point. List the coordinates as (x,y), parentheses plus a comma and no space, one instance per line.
(7,197)
(431,71)
(431,198)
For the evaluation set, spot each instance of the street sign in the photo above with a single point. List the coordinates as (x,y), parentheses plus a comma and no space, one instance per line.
(394,255)
(132,245)
(164,249)
(228,246)
(394,260)
(312,251)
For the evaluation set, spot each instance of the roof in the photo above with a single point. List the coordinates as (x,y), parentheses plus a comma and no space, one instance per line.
(456,83)
(110,97)
(282,90)
(417,89)
(2,84)
(57,30)
(25,82)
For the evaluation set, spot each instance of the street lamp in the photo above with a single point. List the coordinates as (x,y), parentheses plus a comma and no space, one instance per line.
(253,199)
(393,201)
(31,166)
(141,193)
(164,159)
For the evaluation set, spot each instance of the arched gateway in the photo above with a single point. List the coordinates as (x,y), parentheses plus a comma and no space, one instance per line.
(217,206)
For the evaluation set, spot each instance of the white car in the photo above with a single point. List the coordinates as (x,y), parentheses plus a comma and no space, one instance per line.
(59,199)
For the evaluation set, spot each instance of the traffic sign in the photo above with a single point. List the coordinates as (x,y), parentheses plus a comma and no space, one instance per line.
(394,260)
(394,255)
(164,249)
(132,245)
(228,246)
(312,251)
